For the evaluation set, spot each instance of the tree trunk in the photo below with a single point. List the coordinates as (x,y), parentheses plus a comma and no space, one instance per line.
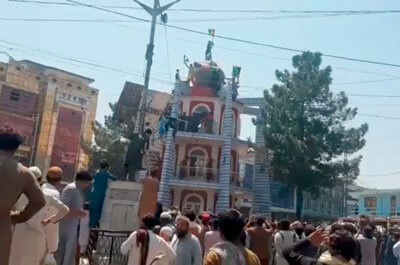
(299,203)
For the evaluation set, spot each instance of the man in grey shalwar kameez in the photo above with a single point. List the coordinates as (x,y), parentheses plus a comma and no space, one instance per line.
(73,197)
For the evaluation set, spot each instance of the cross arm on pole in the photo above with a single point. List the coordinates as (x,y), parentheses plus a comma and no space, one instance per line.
(156,11)
(146,8)
(163,8)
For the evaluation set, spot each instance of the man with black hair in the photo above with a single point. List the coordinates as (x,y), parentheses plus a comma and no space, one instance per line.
(309,251)
(341,249)
(16,180)
(212,237)
(230,251)
(73,197)
(98,192)
(367,243)
(261,240)
(283,239)
(193,226)
(396,247)
(393,237)
(145,247)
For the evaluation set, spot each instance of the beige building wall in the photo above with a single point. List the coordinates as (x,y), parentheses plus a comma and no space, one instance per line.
(55,88)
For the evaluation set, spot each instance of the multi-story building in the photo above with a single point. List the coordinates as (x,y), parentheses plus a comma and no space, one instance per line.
(382,203)
(207,150)
(127,105)
(327,206)
(53,110)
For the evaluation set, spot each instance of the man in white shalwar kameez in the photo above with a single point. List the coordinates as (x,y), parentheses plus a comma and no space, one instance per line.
(28,244)
(158,250)
(54,178)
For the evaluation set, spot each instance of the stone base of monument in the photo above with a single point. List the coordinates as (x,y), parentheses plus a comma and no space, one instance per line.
(120,210)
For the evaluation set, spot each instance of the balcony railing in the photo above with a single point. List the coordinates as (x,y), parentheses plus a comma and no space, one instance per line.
(198,174)
(394,211)
(370,210)
(238,182)
(195,125)
(208,175)
(374,211)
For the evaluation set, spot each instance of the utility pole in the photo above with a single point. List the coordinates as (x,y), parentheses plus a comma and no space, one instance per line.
(154,13)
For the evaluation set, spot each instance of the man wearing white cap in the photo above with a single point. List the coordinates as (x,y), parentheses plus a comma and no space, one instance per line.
(29,237)
(166,233)
(186,245)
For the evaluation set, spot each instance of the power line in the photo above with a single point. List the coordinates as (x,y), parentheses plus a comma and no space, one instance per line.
(365,184)
(251,53)
(66,20)
(109,67)
(366,81)
(381,175)
(225,10)
(182,20)
(97,65)
(168,57)
(373,96)
(77,58)
(236,39)
(379,116)
(365,72)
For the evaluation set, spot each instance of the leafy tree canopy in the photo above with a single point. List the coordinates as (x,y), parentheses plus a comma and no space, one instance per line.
(110,142)
(305,128)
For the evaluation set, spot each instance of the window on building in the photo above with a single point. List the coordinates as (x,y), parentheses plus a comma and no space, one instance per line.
(308,204)
(314,203)
(370,205)
(14,95)
(393,211)
(197,164)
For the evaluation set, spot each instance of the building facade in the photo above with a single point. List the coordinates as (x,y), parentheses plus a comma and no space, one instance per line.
(327,206)
(52,109)
(382,203)
(205,166)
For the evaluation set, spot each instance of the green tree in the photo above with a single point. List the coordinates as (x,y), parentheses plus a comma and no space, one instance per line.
(110,142)
(307,140)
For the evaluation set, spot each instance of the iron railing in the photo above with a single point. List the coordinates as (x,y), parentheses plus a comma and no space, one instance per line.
(104,247)
(202,174)
(190,124)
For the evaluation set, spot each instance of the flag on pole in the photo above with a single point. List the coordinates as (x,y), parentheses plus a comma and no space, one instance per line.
(236,71)
(211,32)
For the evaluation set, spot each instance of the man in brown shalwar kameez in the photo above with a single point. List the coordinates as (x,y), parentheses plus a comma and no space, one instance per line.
(148,199)
(15,180)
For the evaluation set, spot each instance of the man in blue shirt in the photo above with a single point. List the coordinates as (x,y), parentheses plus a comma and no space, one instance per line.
(98,192)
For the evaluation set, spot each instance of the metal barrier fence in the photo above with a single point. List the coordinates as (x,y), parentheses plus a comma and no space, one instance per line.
(104,247)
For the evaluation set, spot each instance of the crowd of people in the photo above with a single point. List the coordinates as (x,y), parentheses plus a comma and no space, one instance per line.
(227,238)
(39,225)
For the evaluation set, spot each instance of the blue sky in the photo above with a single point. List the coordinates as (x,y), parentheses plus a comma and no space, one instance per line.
(121,46)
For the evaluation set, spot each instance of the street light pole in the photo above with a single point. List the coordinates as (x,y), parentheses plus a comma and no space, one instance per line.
(154,13)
